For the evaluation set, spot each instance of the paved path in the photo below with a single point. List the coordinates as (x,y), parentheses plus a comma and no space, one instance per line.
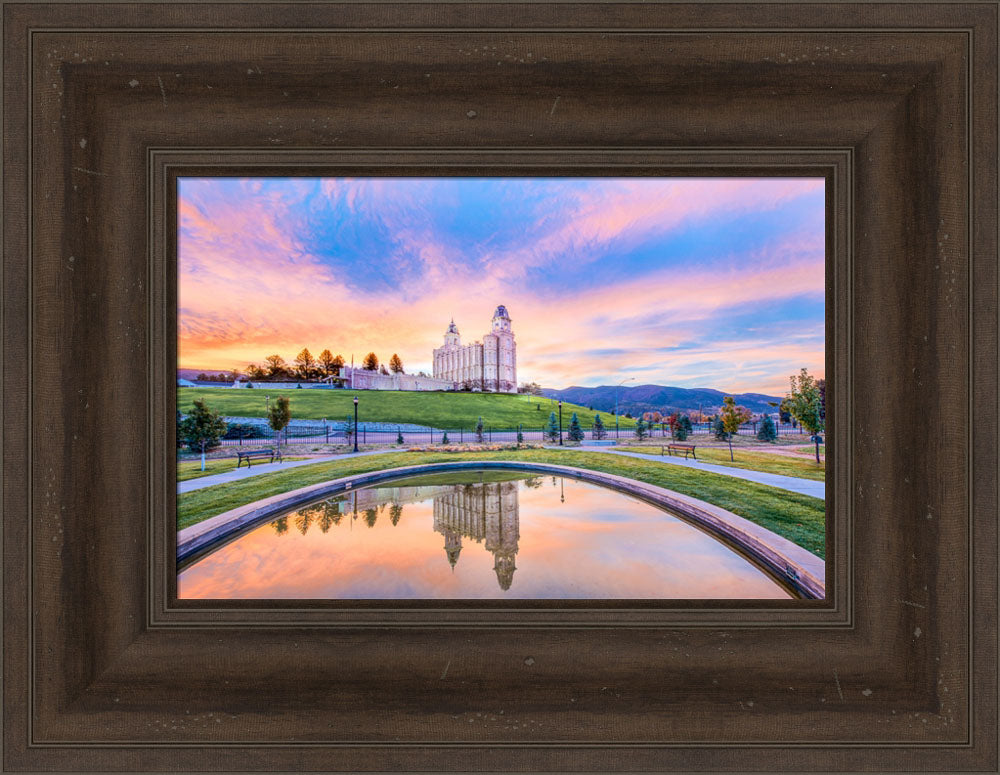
(266,468)
(811,487)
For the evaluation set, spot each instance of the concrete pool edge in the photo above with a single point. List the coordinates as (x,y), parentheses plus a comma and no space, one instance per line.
(795,566)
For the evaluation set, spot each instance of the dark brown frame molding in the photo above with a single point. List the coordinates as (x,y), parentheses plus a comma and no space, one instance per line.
(105,104)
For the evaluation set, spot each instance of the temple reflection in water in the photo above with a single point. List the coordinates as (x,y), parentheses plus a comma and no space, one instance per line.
(483,512)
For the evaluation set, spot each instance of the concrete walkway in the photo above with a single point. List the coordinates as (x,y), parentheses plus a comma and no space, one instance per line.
(242,473)
(811,487)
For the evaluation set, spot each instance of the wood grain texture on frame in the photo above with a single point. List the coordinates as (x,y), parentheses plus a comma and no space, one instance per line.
(104,104)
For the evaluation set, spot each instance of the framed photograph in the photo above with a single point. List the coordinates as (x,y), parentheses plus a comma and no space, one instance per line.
(525,449)
(473,387)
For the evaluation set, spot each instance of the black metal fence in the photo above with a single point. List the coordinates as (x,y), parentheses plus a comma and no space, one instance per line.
(258,436)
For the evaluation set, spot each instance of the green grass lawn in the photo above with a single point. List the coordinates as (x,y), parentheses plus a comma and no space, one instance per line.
(799,518)
(753,461)
(439,410)
(191,469)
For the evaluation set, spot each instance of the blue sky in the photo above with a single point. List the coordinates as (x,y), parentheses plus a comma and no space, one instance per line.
(692,282)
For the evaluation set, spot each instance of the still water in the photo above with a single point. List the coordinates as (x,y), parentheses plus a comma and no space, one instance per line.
(489,534)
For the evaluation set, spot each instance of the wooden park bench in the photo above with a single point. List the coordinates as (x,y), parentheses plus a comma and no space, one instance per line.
(271,453)
(687,448)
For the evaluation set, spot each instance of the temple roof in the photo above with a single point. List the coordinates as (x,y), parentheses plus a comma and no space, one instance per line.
(452,328)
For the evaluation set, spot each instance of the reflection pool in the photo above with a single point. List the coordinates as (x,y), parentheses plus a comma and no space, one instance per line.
(477,535)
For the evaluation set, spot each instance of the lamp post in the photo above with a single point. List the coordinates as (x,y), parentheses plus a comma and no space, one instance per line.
(560,424)
(355,423)
(629,379)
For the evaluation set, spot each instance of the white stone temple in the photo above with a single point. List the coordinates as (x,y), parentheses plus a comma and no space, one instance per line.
(489,365)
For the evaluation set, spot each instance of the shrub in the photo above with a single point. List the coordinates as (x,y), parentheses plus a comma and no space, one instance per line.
(243,431)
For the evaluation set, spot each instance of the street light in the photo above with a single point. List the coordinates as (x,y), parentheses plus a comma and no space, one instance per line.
(355,423)
(560,423)
(616,401)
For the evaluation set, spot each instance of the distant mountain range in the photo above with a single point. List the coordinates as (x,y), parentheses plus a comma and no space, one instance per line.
(658,398)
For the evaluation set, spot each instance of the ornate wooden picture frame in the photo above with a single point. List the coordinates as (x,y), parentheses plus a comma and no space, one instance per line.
(105,104)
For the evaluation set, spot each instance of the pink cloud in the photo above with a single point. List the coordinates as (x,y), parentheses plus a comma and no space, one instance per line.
(248,287)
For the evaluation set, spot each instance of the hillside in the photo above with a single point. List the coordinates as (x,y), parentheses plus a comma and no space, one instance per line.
(438,410)
(658,398)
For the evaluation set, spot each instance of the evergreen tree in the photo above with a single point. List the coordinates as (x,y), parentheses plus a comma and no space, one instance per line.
(202,425)
(370,363)
(395,364)
(305,364)
(479,430)
(767,430)
(640,429)
(575,431)
(520,434)
(325,362)
(395,512)
(337,364)
(349,428)
(597,431)
(399,436)
(552,428)
(719,429)
(680,432)
(444,438)
(686,422)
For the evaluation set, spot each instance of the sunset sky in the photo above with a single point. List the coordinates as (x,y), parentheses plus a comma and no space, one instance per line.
(687,282)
